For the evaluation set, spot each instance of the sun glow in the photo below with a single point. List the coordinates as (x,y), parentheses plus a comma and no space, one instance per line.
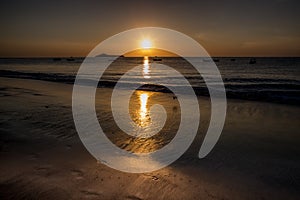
(146,44)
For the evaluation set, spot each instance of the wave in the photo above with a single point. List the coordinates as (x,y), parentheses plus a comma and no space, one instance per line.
(284,91)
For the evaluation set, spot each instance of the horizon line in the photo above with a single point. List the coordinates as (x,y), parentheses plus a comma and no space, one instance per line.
(247,56)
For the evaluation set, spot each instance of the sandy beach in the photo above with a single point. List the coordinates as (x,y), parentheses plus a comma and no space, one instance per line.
(42,157)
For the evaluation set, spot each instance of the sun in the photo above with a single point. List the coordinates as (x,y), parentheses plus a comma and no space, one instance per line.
(146,44)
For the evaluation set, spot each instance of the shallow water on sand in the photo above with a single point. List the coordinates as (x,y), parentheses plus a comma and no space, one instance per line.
(257,156)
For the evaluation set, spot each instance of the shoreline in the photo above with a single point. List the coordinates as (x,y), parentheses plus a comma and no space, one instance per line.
(280,96)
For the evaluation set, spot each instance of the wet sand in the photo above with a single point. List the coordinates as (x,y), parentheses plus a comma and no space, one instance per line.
(42,157)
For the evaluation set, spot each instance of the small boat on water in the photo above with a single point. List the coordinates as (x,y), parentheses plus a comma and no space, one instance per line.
(157,59)
(70,59)
(252,61)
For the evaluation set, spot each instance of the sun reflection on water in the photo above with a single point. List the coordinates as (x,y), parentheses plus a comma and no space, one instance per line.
(146,68)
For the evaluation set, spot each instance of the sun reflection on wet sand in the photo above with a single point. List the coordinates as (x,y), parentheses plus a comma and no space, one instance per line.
(146,68)
(143,108)
(139,110)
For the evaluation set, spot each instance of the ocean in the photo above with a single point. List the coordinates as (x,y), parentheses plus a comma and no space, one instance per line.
(266,79)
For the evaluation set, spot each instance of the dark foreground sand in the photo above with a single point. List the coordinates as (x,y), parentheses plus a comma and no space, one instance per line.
(257,156)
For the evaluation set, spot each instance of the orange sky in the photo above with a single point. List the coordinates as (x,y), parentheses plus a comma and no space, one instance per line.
(73,28)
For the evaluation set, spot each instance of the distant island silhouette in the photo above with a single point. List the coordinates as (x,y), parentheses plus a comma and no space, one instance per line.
(106,55)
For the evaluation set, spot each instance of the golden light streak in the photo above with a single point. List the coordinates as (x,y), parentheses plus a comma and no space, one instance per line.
(146,67)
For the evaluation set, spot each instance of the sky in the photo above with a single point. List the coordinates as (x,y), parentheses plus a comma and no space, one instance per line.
(224,28)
